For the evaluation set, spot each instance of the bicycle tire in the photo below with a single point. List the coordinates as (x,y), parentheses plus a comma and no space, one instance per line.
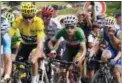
(61,80)
(99,78)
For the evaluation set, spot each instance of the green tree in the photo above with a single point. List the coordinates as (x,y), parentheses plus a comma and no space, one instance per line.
(12,3)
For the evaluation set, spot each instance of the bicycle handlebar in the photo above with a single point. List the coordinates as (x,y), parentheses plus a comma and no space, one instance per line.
(60,61)
(22,63)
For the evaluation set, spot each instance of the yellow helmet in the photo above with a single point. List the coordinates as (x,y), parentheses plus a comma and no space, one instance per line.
(110,20)
(28,9)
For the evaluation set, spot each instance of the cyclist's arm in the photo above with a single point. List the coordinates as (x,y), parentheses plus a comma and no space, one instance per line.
(40,37)
(117,56)
(82,51)
(55,39)
(116,41)
(54,47)
(81,54)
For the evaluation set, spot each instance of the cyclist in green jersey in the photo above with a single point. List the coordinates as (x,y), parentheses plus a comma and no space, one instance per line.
(15,42)
(73,45)
(16,38)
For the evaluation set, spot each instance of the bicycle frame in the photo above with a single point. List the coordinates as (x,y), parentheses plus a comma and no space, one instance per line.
(44,73)
(18,68)
(67,72)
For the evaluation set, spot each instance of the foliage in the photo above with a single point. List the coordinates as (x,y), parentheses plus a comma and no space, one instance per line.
(112,7)
(12,3)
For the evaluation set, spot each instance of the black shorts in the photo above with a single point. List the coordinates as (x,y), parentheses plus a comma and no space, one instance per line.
(24,52)
(92,65)
(69,51)
(13,50)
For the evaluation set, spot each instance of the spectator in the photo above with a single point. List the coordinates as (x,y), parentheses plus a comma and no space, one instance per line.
(56,10)
(118,20)
(84,22)
(93,66)
(3,9)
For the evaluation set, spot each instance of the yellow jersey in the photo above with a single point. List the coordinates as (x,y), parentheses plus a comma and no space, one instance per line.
(29,33)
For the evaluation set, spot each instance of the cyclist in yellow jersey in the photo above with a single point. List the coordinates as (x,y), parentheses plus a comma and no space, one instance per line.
(32,34)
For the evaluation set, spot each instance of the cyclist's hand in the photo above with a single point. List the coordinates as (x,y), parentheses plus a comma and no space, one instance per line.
(80,61)
(32,59)
(34,56)
(52,54)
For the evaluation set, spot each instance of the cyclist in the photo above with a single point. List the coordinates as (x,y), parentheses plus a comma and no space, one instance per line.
(31,29)
(84,22)
(6,43)
(73,43)
(16,38)
(52,26)
(112,36)
(15,43)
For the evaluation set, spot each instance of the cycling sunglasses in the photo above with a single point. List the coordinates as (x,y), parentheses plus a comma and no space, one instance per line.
(45,15)
(70,27)
(31,17)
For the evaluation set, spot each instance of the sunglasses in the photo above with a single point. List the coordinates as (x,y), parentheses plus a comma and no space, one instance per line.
(28,17)
(70,27)
(45,15)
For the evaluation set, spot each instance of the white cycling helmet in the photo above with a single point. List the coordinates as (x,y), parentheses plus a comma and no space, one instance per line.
(71,20)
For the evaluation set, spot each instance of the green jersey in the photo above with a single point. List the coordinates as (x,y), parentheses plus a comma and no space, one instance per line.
(78,37)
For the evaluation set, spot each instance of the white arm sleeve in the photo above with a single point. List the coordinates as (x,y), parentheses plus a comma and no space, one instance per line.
(90,39)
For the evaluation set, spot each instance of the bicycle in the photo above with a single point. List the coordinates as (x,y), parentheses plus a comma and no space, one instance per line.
(104,74)
(42,71)
(21,72)
(68,73)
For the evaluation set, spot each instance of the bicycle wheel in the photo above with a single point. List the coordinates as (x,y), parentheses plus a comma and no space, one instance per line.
(62,80)
(99,78)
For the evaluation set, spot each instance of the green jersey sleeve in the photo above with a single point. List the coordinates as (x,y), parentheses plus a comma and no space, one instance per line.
(59,34)
(81,35)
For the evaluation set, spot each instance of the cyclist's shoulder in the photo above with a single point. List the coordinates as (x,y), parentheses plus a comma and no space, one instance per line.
(63,30)
(79,31)
(37,19)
